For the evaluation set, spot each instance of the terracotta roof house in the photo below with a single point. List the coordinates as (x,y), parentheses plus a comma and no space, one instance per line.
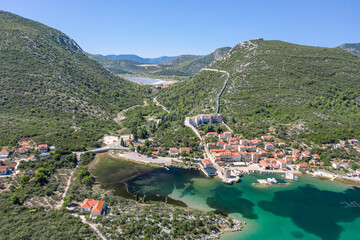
(186,149)
(265,138)
(23,150)
(265,164)
(4,170)
(5,153)
(173,151)
(96,208)
(42,148)
(353,141)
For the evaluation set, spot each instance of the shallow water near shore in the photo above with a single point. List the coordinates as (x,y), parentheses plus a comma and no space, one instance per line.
(310,208)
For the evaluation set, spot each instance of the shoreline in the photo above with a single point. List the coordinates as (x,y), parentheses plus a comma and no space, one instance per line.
(238,224)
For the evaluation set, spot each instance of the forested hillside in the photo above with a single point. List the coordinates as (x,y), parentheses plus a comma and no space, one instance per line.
(44,74)
(295,92)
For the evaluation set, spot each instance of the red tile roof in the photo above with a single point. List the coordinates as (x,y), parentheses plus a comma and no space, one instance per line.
(5,151)
(3,167)
(23,149)
(43,145)
(88,202)
(98,207)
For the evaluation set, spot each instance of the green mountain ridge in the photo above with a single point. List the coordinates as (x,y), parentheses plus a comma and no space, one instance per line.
(44,75)
(184,65)
(293,91)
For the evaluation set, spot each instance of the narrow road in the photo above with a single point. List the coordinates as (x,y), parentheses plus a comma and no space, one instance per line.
(158,104)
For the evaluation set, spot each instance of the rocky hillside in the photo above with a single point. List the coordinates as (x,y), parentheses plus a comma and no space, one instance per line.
(353,48)
(295,92)
(44,74)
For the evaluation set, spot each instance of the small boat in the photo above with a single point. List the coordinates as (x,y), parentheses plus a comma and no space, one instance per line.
(227,182)
(271,180)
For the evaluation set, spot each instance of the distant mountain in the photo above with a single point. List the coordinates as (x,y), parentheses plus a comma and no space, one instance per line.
(196,65)
(298,93)
(136,58)
(180,60)
(44,74)
(353,48)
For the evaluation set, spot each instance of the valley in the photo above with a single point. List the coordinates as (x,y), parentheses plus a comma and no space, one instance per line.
(190,146)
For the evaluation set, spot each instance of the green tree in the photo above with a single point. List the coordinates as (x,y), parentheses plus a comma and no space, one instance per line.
(16,199)
(24,179)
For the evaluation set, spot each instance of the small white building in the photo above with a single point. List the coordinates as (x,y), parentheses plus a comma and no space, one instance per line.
(336,165)
(173,151)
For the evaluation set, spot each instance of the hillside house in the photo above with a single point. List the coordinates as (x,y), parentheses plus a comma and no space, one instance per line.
(96,208)
(266,138)
(220,144)
(251,148)
(228,146)
(212,134)
(222,136)
(306,154)
(268,146)
(338,146)
(173,151)
(186,149)
(282,144)
(4,170)
(227,134)
(353,141)
(43,148)
(211,145)
(5,153)
(244,142)
(336,165)
(23,150)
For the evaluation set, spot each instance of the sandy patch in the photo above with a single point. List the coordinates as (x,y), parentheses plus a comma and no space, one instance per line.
(148,65)
(110,139)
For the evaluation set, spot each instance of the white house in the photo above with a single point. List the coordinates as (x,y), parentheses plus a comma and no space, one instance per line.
(173,151)
(336,165)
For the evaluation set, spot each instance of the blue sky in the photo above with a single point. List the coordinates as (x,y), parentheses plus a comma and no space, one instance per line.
(152,28)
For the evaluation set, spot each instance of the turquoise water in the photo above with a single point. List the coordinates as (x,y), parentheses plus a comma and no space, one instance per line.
(307,209)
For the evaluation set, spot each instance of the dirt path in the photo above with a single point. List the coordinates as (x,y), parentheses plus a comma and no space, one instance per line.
(121,115)
(66,189)
(162,106)
(92,225)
